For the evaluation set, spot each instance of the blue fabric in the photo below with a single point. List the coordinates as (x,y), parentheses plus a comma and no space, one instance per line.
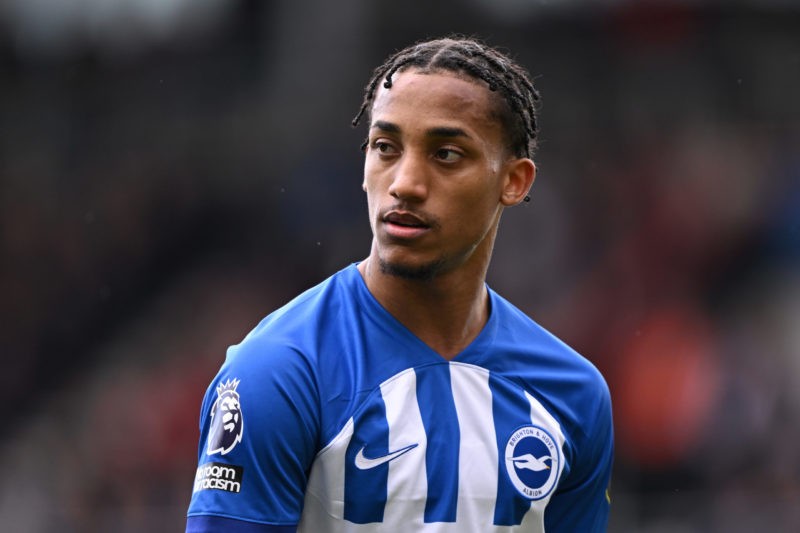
(507,408)
(365,491)
(441,426)
(218,524)
(315,367)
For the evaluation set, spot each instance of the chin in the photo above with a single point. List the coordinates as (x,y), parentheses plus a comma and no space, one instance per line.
(415,272)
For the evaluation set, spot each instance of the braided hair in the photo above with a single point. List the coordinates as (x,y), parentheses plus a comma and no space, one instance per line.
(481,62)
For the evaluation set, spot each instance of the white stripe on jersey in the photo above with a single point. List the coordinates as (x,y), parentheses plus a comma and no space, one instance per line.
(325,490)
(477,476)
(408,484)
(540,417)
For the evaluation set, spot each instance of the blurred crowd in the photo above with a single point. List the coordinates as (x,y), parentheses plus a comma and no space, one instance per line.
(159,195)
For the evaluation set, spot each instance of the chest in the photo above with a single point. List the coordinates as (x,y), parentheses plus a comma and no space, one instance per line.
(448,445)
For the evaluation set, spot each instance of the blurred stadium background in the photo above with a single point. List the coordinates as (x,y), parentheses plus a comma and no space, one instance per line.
(173,170)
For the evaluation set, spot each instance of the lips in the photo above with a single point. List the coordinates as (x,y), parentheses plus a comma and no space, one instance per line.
(404,225)
(406,219)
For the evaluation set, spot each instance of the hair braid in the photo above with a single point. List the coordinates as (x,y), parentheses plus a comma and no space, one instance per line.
(476,60)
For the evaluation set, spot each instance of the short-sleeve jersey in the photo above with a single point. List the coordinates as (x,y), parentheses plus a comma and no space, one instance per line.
(331,416)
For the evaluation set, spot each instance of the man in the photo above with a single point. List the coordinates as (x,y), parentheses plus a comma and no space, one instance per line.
(402,394)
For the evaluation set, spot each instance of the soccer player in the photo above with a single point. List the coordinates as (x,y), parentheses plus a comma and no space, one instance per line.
(402,394)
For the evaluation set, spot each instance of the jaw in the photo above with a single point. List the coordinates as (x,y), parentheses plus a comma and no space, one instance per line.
(418,263)
(418,272)
(409,261)
(433,253)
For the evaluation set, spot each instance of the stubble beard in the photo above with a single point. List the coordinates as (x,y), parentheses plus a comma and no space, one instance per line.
(426,272)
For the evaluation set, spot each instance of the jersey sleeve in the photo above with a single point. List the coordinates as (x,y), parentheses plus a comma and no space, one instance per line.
(259,427)
(582,502)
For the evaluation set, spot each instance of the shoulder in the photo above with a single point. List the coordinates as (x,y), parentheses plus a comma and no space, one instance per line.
(306,351)
(310,307)
(565,381)
(293,329)
(575,393)
(532,346)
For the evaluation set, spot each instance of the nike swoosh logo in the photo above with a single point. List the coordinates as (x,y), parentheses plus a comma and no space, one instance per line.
(365,463)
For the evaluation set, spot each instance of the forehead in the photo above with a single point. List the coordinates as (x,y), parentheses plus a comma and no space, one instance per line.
(437,99)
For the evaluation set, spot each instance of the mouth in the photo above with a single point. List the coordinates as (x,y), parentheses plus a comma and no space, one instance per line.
(404,225)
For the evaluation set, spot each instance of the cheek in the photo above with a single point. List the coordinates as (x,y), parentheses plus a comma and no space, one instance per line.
(372,195)
(370,178)
(374,182)
(479,198)
(477,210)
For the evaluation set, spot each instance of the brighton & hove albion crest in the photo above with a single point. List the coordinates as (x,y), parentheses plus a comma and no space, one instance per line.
(532,461)
(226,419)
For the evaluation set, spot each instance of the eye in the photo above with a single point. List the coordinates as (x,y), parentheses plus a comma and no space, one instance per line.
(448,155)
(383,147)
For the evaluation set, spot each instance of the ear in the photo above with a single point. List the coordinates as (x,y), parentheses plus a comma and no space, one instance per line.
(520,174)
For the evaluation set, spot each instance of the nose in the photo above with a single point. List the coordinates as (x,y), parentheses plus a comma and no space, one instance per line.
(410,179)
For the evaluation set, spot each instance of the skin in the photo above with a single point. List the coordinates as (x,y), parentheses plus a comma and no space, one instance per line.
(437,177)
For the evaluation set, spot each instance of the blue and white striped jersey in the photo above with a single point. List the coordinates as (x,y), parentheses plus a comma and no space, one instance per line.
(331,416)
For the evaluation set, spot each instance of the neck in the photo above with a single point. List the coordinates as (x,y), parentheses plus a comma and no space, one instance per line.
(446,312)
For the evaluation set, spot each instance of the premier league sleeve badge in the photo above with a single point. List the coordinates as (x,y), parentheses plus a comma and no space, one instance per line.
(226,419)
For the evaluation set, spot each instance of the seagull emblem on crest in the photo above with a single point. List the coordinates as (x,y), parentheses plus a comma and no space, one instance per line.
(529,462)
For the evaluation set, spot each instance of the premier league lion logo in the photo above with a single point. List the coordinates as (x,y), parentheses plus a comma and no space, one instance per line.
(226,419)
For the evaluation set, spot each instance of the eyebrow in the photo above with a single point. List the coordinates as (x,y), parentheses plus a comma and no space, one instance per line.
(447,132)
(440,131)
(388,127)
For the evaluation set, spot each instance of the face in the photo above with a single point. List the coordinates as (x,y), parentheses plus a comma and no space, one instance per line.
(437,174)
